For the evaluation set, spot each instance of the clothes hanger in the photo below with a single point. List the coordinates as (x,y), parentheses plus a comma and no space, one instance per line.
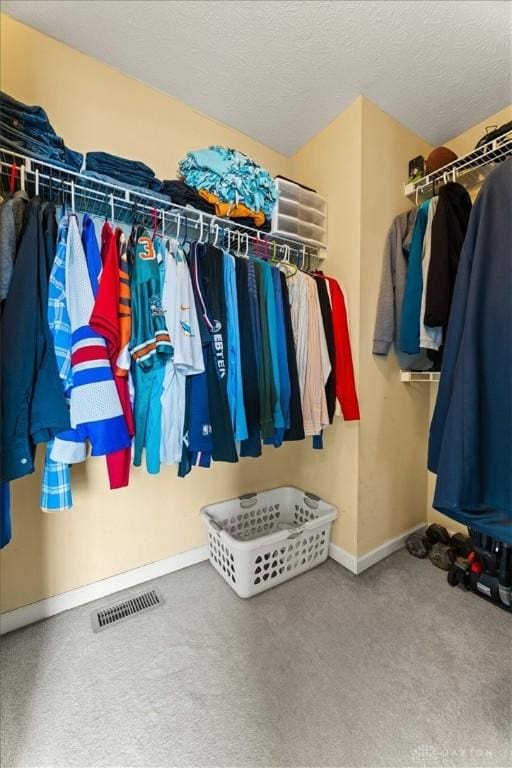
(154,222)
(185,236)
(285,263)
(215,226)
(135,222)
(201,222)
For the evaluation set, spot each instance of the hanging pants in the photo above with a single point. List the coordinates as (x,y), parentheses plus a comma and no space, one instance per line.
(147,415)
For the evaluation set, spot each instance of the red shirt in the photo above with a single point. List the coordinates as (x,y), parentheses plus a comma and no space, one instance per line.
(344,369)
(104,318)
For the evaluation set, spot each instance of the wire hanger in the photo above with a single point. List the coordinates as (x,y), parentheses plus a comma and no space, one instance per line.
(201,222)
(185,236)
(154,222)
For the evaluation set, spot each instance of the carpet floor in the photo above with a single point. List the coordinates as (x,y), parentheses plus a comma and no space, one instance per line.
(389,668)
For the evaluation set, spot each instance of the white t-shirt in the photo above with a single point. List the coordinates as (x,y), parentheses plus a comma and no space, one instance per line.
(183,326)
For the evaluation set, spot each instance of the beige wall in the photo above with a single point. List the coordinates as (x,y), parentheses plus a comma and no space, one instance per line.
(461,145)
(374,469)
(392,440)
(331,163)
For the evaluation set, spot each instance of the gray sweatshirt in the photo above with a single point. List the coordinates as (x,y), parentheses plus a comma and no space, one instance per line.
(392,285)
(12,211)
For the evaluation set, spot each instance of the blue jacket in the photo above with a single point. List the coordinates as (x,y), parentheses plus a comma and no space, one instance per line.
(411,307)
(470,445)
(33,405)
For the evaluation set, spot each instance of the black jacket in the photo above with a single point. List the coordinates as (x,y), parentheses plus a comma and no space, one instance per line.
(448,232)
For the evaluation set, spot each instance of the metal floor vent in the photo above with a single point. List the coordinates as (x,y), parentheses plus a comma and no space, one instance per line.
(113,614)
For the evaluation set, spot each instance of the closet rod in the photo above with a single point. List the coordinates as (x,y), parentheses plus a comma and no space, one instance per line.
(126,199)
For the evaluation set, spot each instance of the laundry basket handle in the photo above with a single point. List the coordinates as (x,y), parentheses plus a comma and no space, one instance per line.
(311,499)
(248,499)
(212,521)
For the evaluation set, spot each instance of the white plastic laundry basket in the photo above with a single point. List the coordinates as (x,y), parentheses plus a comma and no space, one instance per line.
(262,539)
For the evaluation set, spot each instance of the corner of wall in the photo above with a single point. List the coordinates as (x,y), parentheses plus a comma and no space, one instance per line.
(394,417)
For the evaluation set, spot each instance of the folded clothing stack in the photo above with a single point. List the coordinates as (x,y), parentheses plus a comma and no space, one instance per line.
(181,194)
(231,178)
(123,172)
(28,131)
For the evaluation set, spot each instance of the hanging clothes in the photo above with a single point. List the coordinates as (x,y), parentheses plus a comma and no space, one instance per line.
(249,364)
(318,368)
(197,433)
(346,392)
(391,294)
(95,410)
(470,447)
(5,515)
(449,228)
(12,212)
(326,310)
(92,252)
(295,430)
(234,381)
(178,305)
(33,403)
(150,347)
(56,482)
(282,361)
(410,320)
(208,280)
(431,337)
(105,319)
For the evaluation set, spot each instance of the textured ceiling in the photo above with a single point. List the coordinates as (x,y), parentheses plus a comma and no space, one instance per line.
(280,71)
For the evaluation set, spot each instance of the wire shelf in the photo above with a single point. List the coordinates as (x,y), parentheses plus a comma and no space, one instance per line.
(412,376)
(469,170)
(124,205)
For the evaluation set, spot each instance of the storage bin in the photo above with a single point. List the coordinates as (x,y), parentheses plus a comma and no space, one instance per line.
(300,214)
(262,539)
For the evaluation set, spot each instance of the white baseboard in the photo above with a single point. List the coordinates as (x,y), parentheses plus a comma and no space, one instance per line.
(28,614)
(344,558)
(359,563)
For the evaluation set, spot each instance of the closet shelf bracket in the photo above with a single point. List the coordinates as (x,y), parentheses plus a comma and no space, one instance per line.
(411,376)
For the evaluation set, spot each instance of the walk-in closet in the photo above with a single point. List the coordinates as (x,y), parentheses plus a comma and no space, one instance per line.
(255,384)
